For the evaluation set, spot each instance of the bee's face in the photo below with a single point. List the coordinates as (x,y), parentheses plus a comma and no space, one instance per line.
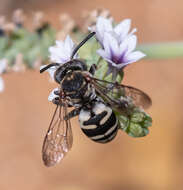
(73,81)
(59,75)
(66,68)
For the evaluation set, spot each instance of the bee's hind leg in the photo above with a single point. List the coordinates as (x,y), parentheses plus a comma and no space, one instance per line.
(72,114)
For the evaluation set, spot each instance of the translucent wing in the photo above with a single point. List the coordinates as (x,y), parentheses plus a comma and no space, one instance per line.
(58,140)
(115,94)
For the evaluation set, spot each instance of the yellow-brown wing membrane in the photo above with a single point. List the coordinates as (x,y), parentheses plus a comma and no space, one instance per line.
(58,140)
(114,93)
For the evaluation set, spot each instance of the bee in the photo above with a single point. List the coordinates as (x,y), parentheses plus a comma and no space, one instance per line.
(93,100)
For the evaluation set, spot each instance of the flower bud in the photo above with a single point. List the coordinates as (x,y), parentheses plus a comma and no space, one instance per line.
(136,125)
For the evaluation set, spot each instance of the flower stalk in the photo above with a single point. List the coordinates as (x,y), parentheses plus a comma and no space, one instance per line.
(164,50)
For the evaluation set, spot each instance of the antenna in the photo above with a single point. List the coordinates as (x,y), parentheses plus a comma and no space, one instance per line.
(48,66)
(82,43)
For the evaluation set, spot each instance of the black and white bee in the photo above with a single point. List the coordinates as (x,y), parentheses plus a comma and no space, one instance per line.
(93,100)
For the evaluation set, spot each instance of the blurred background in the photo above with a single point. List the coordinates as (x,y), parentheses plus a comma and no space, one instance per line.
(154,162)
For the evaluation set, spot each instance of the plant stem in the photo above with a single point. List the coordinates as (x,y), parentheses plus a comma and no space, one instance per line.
(165,50)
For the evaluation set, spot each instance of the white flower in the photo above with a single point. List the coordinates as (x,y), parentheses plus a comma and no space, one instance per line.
(118,44)
(3,66)
(60,54)
(102,25)
(120,31)
(1,84)
(119,54)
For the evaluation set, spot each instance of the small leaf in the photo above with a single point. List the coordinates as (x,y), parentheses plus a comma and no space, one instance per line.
(120,77)
(101,70)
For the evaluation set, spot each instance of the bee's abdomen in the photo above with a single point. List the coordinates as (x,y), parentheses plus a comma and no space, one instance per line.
(100,123)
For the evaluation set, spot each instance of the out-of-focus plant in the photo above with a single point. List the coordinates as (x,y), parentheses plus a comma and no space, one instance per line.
(23,48)
(19,46)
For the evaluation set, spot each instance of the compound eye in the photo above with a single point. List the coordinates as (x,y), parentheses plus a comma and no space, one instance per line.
(59,74)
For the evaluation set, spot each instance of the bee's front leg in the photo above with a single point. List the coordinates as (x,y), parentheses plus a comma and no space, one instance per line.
(57,101)
(72,114)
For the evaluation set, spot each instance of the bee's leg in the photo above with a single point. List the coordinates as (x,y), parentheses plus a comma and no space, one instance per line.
(57,101)
(92,69)
(71,114)
(57,92)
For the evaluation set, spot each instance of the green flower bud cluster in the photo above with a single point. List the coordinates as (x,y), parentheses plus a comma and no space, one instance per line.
(137,124)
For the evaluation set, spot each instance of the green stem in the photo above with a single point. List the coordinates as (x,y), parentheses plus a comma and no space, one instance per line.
(162,50)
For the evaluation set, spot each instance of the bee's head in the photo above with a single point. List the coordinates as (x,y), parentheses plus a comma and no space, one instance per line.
(74,65)
(73,81)
(62,70)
